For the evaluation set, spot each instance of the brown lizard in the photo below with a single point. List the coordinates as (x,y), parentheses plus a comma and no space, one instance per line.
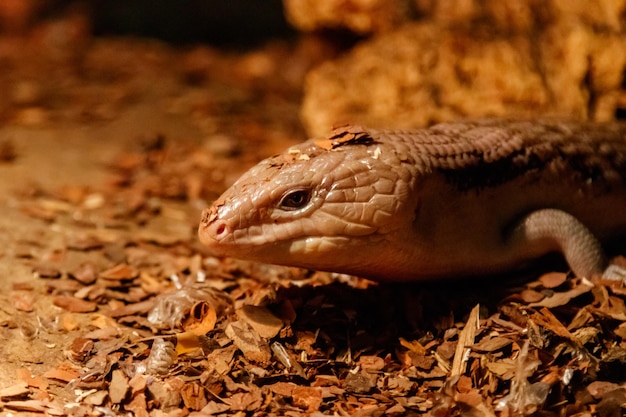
(456,199)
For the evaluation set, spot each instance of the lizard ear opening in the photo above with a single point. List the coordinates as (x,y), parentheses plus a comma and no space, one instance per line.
(294,199)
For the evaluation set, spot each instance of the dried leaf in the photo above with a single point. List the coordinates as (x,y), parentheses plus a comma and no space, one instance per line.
(187,342)
(193,396)
(253,346)
(261,319)
(245,401)
(424,362)
(546,319)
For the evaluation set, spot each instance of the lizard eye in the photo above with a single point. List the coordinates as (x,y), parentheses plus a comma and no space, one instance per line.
(294,200)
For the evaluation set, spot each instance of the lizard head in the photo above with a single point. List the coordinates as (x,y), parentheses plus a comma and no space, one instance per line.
(317,206)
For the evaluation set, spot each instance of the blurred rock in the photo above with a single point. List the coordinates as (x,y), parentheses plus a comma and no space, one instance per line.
(360,16)
(430,72)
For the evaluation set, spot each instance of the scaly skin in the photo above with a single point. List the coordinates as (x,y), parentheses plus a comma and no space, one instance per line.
(458,199)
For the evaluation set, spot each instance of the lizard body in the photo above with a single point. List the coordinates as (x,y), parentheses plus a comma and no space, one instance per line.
(456,199)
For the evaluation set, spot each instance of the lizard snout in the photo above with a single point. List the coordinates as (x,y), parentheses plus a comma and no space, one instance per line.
(211,230)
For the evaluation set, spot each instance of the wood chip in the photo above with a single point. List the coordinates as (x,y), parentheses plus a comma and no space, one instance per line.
(33,406)
(466,340)
(553,279)
(14,391)
(119,387)
(308,398)
(74,305)
(492,344)
(62,373)
(46,271)
(119,272)
(86,273)
(83,243)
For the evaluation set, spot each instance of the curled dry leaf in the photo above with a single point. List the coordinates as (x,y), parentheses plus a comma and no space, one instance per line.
(201,318)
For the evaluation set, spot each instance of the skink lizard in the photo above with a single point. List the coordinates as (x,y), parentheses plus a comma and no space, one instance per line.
(452,200)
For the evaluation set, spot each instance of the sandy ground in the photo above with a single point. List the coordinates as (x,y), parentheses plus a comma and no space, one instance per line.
(53,156)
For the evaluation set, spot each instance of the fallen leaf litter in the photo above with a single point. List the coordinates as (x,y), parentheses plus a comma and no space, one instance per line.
(171,328)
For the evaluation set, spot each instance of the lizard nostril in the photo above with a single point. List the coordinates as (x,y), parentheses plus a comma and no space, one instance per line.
(220,229)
